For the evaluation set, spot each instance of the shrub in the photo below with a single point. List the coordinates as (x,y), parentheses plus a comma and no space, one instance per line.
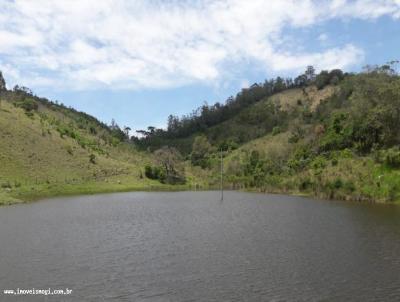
(92,158)
(300,158)
(154,172)
(392,157)
(305,184)
(319,163)
(158,173)
(338,135)
(6,185)
(276,130)
(70,151)
(29,114)
(28,104)
(297,134)
(349,186)
(337,183)
(148,171)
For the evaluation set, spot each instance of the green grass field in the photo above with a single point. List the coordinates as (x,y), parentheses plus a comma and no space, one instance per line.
(37,161)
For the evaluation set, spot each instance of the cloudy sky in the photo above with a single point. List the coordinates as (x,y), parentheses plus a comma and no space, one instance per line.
(139,61)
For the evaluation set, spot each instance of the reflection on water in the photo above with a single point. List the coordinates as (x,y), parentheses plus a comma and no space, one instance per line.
(191,247)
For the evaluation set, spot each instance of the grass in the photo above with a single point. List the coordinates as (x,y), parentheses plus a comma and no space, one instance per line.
(341,175)
(292,98)
(7,199)
(37,161)
(116,184)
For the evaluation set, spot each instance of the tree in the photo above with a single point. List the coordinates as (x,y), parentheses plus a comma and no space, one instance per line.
(170,160)
(322,79)
(113,124)
(336,75)
(126,131)
(310,73)
(200,151)
(300,81)
(173,123)
(2,83)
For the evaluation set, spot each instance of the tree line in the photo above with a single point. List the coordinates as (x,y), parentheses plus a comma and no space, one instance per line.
(207,116)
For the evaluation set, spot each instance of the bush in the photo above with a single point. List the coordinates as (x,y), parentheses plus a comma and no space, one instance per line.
(28,104)
(148,171)
(349,186)
(70,151)
(392,157)
(29,114)
(337,184)
(6,185)
(276,130)
(305,184)
(154,173)
(300,158)
(92,158)
(319,163)
(338,135)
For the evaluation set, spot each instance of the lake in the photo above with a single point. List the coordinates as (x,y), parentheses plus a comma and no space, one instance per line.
(190,246)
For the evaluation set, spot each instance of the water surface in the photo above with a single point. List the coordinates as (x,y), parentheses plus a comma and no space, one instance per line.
(189,246)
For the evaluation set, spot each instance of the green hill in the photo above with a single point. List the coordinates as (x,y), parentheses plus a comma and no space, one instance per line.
(339,139)
(48,149)
(332,135)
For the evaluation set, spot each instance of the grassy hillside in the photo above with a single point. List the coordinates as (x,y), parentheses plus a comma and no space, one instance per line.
(340,142)
(253,121)
(47,149)
(279,110)
(265,165)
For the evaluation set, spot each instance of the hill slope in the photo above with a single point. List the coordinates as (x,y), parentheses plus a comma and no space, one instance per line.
(338,141)
(346,147)
(47,149)
(334,135)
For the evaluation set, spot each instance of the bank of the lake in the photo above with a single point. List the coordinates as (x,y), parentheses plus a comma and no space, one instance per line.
(35,193)
(24,194)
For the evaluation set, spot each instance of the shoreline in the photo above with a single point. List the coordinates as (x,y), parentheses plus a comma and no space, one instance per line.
(26,195)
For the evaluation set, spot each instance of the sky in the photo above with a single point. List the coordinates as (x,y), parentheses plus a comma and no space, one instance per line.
(139,61)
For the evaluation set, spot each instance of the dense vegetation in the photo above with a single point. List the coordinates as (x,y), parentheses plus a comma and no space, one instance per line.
(179,131)
(332,134)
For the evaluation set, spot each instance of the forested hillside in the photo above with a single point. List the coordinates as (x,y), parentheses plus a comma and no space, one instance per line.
(332,135)
(241,118)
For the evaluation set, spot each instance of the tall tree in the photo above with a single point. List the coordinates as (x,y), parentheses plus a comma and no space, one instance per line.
(2,83)
(200,151)
(170,160)
(126,131)
(310,73)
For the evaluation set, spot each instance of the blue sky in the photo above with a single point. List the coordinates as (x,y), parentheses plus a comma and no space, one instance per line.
(139,61)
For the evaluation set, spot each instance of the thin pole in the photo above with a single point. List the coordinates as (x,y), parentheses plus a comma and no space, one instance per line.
(222,174)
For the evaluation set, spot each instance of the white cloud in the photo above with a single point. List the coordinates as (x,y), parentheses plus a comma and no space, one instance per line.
(134,44)
(333,58)
(323,37)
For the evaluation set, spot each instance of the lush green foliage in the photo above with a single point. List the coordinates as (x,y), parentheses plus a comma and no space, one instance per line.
(208,119)
(330,134)
(339,140)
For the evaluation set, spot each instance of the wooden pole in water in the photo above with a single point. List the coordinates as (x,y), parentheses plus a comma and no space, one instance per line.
(222,173)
